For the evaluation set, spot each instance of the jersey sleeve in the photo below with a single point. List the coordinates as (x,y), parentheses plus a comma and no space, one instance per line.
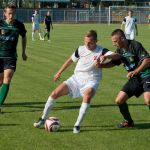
(75,56)
(141,51)
(106,52)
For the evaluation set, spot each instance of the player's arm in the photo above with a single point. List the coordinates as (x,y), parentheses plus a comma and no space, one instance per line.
(62,69)
(73,58)
(23,40)
(51,24)
(136,28)
(24,43)
(145,63)
(123,22)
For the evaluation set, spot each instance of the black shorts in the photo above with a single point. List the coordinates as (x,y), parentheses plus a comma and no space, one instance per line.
(47,28)
(7,63)
(136,86)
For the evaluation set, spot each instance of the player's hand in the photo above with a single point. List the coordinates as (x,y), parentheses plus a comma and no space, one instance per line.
(24,56)
(132,73)
(56,76)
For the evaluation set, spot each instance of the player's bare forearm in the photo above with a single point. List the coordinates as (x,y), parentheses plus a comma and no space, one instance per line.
(113,56)
(62,69)
(106,65)
(145,63)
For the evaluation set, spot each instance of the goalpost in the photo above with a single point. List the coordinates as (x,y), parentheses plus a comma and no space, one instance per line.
(117,13)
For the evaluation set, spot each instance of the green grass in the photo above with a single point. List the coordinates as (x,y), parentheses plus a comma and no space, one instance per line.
(32,84)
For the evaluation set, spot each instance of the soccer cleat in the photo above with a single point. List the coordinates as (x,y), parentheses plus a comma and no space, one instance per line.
(42,39)
(125,124)
(39,123)
(49,40)
(76,129)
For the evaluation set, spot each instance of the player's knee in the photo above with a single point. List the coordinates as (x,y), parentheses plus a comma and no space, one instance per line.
(147,101)
(118,101)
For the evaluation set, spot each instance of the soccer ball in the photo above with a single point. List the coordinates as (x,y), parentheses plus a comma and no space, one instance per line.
(52,124)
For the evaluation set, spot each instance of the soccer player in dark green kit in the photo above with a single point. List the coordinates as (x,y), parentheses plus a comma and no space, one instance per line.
(48,25)
(136,60)
(10,29)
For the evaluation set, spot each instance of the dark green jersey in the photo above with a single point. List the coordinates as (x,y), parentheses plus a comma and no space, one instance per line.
(133,57)
(9,34)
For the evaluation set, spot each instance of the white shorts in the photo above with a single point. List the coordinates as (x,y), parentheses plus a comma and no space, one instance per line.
(35,27)
(78,87)
(130,36)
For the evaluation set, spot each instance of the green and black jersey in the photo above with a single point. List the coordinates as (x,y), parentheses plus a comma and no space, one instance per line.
(9,34)
(133,57)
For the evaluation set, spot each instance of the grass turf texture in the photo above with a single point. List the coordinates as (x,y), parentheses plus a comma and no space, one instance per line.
(32,83)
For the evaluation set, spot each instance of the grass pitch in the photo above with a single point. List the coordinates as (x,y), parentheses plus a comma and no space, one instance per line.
(32,83)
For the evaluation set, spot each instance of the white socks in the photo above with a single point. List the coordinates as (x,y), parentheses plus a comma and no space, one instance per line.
(40,36)
(84,107)
(48,106)
(32,35)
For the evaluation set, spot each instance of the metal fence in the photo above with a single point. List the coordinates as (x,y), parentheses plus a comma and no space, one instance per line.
(79,16)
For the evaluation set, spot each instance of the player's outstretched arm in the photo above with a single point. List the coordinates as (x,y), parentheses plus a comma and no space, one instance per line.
(24,43)
(62,69)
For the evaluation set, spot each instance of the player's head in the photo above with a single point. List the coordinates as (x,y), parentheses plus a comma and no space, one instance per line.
(118,38)
(90,39)
(9,13)
(130,13)
(48,13)
(35,11)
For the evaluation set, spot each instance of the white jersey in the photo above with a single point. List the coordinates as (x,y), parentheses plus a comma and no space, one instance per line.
(35,18)
(85,67)
(130,23)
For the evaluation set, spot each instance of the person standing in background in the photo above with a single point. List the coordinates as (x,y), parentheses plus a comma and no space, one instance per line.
(36,25)
(130,23)
(48,25)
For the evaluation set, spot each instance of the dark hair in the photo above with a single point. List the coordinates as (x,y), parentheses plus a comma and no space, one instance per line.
(10,6)
(130,11)
(118,32)
(92,33)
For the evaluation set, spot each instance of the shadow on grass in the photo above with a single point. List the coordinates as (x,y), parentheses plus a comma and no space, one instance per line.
(2,124)
(39,106)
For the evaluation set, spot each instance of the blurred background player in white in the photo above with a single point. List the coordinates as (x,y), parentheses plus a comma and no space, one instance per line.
(130,23)
(36,25)
(48,25)
(85,80)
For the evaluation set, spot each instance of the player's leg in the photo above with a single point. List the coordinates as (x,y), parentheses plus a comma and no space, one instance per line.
(39,31)
(8,74)
(146,87)
(131,88)
(132,36)
(61,90)
(87,95)
(1,82)
(147,98)
(33,31)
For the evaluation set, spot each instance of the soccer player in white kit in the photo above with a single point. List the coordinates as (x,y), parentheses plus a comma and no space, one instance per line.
(130,23)
(36,25)
(85,80)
